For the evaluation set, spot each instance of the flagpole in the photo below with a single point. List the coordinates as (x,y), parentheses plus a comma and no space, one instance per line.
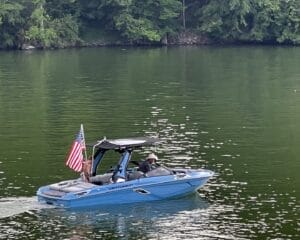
(82,131)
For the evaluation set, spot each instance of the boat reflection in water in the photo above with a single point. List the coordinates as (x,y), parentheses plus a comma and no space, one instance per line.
(130,220)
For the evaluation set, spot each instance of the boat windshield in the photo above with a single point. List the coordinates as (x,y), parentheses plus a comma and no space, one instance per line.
(159,171)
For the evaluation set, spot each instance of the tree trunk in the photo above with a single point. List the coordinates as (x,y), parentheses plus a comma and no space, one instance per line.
(42,18)
(183,14)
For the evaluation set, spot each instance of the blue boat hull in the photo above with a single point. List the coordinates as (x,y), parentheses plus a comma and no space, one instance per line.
(76,193)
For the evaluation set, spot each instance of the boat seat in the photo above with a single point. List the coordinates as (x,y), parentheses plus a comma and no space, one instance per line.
(70,186)
(135,175)
(101,179)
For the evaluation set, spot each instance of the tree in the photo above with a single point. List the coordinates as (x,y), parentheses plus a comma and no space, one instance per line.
(58,9)
(138,21)
(57,23)
(148,20)
(11,23)
(224,20)
(252,21)
(289,22)
(40,33)
(51,31)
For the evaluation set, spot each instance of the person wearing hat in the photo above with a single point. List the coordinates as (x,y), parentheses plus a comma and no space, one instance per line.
(148,164)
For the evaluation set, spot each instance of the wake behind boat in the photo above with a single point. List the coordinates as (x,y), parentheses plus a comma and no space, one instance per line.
(122,184)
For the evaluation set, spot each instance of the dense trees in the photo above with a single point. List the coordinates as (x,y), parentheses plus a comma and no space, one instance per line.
(37,23)
(11,22)
(252,21)
(135,20)
(59,23)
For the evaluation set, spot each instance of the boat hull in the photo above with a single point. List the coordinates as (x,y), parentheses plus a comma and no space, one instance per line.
(80,194)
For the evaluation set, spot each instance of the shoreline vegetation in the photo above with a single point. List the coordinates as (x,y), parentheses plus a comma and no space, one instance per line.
(50,24)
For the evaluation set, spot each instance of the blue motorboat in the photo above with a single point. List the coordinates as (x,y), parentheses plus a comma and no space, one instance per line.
(123,183)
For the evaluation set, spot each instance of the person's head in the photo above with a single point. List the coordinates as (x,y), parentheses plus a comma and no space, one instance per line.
(152,158)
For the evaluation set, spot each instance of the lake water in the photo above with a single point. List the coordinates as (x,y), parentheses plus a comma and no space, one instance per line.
(234,110)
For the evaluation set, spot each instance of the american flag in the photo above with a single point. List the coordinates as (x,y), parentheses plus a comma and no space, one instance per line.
(75,158)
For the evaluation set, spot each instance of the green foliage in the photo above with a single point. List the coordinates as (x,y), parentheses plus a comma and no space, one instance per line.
(224,20)
(46,31)
(252,21)
(60,23)
(288,23)
(66,30)
(136,28)
(61,8)
(148,20)
(11,23)
(39,33)
(41,37)
(136,20)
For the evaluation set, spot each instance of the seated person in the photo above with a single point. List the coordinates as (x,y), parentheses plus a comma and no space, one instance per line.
(148,164)
(86,170)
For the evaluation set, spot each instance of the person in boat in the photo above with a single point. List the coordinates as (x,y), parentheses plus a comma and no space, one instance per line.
(86,170)
(148,164)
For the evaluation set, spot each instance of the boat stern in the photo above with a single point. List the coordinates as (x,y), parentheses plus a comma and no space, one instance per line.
(63,194)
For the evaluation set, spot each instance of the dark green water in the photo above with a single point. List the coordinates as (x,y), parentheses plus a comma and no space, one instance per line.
(234,110)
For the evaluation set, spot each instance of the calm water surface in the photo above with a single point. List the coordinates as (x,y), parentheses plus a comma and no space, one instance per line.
(234,110)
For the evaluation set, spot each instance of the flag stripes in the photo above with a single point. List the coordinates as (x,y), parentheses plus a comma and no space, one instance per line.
(75,157)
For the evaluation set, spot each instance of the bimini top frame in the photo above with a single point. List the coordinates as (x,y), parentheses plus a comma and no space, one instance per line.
(124,146)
